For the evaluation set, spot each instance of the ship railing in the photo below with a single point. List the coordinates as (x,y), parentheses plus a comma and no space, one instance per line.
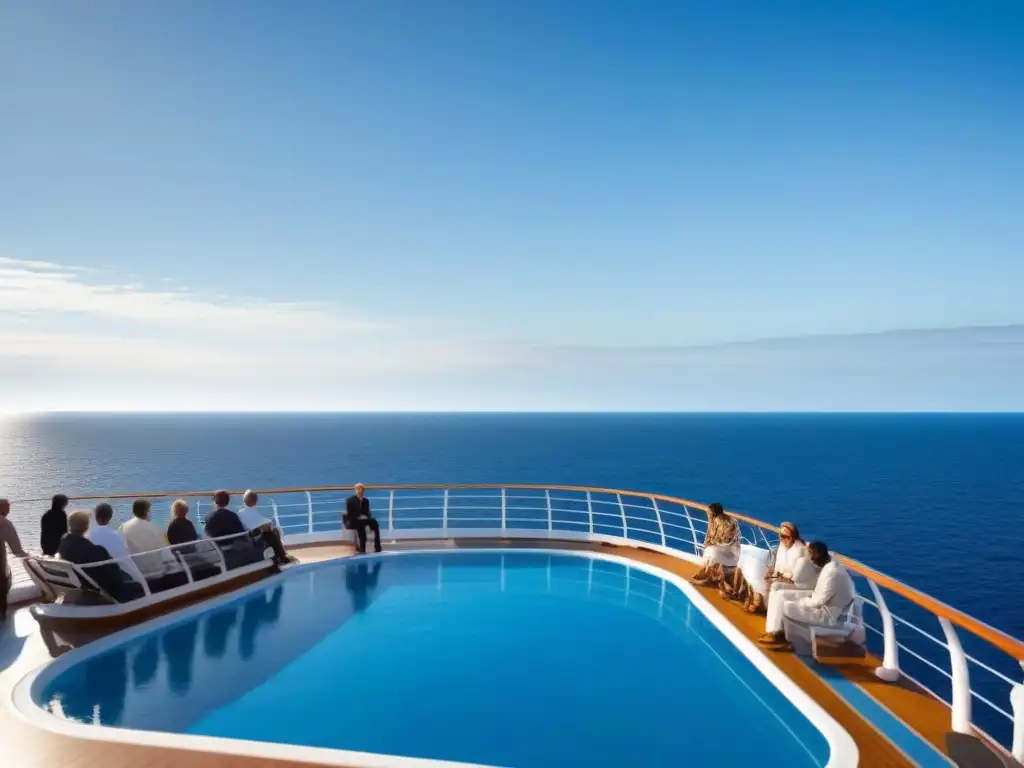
(199,563)
(961,662)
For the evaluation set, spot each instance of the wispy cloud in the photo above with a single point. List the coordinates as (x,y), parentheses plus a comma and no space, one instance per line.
(45,289)
(71,340)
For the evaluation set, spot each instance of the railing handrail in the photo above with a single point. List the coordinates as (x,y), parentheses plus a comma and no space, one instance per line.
(986,632)
(168,548)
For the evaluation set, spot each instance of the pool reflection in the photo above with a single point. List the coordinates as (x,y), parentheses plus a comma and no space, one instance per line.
(361,581)
(230,650)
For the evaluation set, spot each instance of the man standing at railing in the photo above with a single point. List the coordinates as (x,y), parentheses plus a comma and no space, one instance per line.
(357,515)
(8,538)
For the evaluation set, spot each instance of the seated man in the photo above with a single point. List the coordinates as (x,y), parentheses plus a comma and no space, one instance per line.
(77,549)
(148,546)
(202,559)
(357,515)
(102,534)
(254,521)
(833,593)
(238,550)
(721,547)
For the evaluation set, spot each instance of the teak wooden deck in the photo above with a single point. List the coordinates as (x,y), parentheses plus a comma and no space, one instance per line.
(24,746)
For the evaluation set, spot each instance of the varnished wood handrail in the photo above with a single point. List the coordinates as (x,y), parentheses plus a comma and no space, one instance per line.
(986,632)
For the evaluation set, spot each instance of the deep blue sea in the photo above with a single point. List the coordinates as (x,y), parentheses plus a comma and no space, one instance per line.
(935,500)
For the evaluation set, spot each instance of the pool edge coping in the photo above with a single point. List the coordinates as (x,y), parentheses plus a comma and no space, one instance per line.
(843,751)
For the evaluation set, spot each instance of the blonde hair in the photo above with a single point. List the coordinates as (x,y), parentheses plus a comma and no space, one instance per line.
(179,505)
(78,521)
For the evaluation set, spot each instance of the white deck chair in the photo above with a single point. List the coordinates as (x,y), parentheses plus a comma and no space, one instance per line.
(850,628)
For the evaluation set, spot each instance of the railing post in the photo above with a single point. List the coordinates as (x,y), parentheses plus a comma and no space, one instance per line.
(590,513)
(961,699)
(661,526)
(181,560)
(547,501)
(309,508)
(145,585)
(277,521)
(890,669)
(504,517)
(693,531)
(444,520)
(622,511)
(1017,704)
(220,557)
(391,510)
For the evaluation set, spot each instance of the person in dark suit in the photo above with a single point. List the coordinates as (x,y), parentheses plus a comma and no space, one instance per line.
(240,550)
(358,516)
(76,548)
(54,525)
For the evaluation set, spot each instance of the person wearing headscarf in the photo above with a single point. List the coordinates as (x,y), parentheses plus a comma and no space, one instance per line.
(721,546)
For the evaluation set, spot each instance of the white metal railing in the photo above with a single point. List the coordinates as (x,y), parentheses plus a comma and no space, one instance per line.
(676,527)
(185,559)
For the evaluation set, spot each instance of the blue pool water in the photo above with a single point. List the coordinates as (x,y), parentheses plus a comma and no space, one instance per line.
(494,657)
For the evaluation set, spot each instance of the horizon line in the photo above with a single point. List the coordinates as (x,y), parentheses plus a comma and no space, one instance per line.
(499,411)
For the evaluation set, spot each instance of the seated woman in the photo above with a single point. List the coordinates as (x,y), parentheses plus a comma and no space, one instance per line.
(802,582)
(792,548)
(202,558)
(721,547)
(755,587)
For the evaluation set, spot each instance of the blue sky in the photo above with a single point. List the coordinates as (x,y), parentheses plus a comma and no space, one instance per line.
(438,204)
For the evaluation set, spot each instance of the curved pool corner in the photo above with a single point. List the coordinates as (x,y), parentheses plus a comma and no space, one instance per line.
(28,694)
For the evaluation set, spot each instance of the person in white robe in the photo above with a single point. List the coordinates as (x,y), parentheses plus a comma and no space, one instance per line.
(833,593)
(103,534)
(147,543)
(721,546)
(759,569)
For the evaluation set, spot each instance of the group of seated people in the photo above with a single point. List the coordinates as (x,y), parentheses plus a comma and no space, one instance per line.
(141,547)
(804,583)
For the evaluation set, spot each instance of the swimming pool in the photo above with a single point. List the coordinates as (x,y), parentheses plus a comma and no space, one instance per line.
(493,657)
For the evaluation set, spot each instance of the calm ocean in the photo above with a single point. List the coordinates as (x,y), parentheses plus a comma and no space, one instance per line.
(935,500)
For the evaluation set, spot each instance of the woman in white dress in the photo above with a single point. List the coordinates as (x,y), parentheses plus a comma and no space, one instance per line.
(754,578)
(791,548)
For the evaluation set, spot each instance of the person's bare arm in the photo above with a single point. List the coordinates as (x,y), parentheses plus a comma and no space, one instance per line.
(9,536)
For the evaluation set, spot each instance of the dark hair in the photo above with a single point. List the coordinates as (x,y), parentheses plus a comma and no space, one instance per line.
(140,507)
(715,509)
(221,498)
(103,513)
(60,501)
(819,548)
